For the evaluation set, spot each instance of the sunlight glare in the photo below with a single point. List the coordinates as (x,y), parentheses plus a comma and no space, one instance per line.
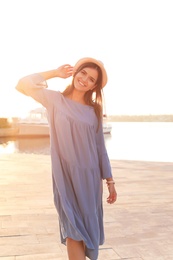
(7,148)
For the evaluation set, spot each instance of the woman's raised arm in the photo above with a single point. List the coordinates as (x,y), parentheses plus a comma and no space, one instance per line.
(63,71)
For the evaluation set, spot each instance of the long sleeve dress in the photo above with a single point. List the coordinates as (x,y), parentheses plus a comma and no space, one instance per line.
(79,164)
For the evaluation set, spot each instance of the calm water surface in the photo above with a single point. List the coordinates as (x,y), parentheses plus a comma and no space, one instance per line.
(141,141)
(128,141)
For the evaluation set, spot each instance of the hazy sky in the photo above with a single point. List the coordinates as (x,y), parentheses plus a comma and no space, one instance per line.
(133,38)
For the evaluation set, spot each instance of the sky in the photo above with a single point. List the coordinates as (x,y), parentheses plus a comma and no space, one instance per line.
(133,38)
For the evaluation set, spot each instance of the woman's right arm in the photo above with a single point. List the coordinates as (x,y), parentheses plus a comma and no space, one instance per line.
(63,71)
(34,85)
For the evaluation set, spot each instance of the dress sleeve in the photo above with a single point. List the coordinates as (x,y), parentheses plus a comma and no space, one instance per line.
(105,166)
(35,86)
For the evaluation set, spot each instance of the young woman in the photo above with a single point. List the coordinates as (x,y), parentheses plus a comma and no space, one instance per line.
(79,158)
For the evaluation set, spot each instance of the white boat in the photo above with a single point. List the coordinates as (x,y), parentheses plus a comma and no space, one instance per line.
(33,129)
(107,128)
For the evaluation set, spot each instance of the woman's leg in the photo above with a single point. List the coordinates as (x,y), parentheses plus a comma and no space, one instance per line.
(75,249)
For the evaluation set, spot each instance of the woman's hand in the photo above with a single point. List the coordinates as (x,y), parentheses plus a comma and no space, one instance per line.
(112,194)
(64,71)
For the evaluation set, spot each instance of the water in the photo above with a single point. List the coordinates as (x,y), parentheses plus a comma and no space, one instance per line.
(141,141)
(128,141)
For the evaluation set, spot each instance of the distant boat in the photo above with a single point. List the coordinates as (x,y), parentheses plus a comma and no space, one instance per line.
(107,128)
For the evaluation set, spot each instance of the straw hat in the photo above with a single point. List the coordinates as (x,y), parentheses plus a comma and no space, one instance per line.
(98,63)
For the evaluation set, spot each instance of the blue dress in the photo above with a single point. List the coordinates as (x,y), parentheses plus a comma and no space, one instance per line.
(79,164)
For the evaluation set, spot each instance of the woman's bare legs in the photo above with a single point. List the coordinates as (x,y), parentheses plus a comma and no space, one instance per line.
(75,249)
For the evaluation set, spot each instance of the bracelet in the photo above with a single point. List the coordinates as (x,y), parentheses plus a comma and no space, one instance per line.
(109,182)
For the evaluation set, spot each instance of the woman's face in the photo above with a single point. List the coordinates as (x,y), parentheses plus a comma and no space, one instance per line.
(85,79)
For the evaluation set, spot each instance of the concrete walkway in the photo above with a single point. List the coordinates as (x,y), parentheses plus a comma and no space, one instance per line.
(138,227)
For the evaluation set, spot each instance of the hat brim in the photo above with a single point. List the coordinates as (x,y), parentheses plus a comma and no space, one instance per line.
(98,63)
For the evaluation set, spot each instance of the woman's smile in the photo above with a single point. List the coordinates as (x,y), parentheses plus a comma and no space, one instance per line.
(81,83)
(86,79)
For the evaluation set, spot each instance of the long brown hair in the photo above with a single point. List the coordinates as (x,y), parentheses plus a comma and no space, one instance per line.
(92,97)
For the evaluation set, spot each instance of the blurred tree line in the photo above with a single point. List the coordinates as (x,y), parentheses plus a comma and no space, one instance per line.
(140,118)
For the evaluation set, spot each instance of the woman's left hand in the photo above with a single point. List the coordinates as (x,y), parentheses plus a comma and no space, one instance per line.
(112,194)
